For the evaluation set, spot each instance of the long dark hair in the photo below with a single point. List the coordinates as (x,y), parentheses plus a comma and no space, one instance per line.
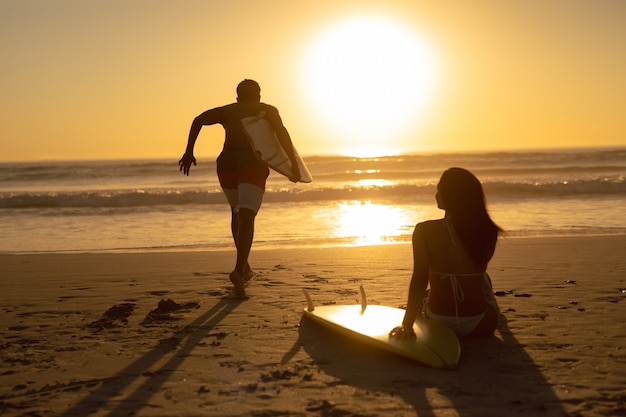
(462,196)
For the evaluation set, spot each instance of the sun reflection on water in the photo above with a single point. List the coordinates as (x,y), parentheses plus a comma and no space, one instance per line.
(374,183)
(367,223)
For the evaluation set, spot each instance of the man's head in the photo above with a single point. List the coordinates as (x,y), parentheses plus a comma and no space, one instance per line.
(248,90)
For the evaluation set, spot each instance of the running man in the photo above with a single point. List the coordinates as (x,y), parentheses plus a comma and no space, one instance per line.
(242,176)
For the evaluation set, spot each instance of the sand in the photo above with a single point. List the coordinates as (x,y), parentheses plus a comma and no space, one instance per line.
(154,334)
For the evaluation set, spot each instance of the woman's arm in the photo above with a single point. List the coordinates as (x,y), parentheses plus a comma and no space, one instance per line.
(419,280)
(418,286)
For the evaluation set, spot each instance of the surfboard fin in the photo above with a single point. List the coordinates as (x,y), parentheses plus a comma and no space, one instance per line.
(363,299)
(309,302)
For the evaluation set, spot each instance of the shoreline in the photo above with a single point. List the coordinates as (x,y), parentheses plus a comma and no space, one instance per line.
(304,246)
(559,349)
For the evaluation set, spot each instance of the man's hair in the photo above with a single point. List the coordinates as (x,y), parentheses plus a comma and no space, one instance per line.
(248,90)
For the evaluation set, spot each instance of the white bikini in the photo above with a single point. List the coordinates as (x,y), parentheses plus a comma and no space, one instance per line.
(462,325)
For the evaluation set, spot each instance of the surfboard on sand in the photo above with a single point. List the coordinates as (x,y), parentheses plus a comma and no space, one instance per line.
(434,345)
(268,149)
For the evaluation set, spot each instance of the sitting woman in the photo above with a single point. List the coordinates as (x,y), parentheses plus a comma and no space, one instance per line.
(451,254)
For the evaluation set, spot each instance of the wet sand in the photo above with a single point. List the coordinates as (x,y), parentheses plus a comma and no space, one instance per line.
(155,334)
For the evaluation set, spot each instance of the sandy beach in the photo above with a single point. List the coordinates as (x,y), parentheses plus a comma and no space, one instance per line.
(154,334)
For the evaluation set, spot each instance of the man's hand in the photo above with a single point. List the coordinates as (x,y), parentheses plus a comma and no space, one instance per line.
(294,178)
(296,175)
(185,162)
(401,333)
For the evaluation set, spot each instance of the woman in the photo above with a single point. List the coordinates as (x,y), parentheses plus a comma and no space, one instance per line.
(451,254)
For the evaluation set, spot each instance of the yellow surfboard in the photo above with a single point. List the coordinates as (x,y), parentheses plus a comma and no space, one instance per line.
(435,344)
(268,149)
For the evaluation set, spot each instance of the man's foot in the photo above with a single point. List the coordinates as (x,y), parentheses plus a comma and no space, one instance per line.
(237,280)
(247,274)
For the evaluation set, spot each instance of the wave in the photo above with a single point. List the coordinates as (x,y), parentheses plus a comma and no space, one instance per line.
(409,165)
(393,192)
(397,179)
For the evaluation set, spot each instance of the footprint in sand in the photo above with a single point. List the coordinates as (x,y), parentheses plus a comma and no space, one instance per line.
(113,317)
(164,311)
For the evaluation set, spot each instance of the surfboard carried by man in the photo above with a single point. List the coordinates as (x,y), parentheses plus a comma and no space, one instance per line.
(241,174)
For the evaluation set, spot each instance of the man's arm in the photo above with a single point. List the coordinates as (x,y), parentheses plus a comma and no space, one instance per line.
(206,118)
(285,141)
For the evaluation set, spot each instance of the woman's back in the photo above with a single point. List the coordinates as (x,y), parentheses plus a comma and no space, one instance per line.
(456,283)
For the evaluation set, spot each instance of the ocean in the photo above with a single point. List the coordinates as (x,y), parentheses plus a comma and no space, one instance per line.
(148,205)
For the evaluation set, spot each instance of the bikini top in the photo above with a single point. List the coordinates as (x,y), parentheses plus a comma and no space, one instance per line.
(457,291)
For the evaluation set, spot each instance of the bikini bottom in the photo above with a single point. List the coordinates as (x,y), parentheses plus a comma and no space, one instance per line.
(462,326)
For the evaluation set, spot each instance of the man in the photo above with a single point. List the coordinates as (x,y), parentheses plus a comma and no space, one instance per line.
(242,176)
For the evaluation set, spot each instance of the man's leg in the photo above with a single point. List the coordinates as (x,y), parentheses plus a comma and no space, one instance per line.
(250,197)
(234,227)
(244,191)
(244,234)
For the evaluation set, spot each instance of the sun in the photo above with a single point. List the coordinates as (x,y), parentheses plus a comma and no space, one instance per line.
(367,80)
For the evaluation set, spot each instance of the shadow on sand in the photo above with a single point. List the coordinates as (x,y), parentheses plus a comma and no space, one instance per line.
(495,376)
(183,342)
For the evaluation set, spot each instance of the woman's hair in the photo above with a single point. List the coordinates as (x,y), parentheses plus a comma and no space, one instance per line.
(464,201)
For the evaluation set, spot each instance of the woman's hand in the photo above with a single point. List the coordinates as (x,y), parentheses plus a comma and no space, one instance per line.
(402,333)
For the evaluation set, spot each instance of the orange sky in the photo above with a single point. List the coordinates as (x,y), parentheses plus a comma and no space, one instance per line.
(124,79)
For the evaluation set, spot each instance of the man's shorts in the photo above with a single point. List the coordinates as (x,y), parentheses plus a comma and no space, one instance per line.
(244,187)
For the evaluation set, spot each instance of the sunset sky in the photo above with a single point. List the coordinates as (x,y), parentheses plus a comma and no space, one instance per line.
(88,79)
